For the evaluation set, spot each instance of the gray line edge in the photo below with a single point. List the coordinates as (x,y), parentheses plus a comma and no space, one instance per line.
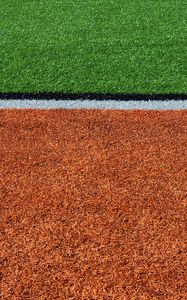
(94,104)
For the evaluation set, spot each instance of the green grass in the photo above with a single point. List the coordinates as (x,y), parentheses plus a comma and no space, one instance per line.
(102,46)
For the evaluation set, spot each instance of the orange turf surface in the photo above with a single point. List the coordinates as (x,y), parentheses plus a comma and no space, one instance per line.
(93,205)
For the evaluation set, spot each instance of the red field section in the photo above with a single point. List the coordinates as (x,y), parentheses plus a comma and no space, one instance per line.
(93,205)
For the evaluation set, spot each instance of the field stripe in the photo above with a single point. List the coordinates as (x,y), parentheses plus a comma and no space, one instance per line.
(94,104)
(91,96)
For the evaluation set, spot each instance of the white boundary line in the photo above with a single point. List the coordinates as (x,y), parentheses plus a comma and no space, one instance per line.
(95,104)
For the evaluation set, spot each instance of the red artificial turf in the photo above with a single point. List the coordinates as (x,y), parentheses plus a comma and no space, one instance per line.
(93,204)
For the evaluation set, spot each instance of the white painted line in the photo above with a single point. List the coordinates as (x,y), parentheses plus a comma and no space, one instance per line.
(95,104)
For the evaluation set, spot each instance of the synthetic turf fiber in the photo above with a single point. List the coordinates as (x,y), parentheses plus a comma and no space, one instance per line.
(102,46)
(93,205)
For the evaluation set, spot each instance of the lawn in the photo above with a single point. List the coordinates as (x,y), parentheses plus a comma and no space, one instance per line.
(102,46)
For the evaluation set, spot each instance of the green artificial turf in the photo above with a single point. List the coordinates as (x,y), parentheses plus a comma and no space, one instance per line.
(102,46)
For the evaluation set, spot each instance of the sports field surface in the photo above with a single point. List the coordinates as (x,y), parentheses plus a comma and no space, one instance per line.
(102,46)
(93,139)
(93,205)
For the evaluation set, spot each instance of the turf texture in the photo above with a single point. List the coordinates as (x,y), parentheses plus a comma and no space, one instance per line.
(106,46)
(93,205)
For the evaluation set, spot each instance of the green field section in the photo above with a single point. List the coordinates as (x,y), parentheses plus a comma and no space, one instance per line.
(93,46)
